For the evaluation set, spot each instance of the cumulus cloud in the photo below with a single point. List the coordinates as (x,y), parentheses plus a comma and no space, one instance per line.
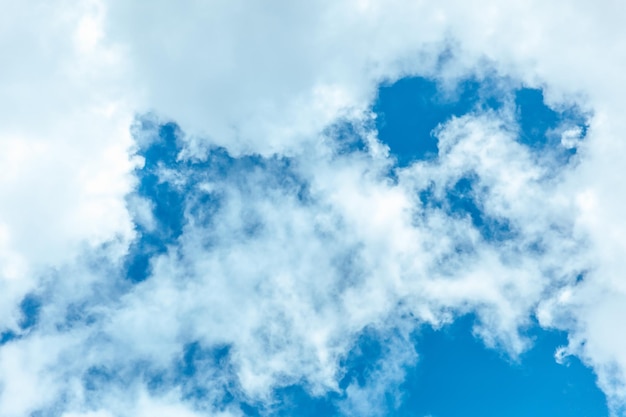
(63,145)
(247,244)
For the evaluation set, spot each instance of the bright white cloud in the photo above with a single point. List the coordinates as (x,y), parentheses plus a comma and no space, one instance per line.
(63,142)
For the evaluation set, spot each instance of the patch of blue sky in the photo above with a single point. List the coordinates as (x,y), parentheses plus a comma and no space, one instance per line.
(410,109)
(362,358)
(456,375)
(539,124)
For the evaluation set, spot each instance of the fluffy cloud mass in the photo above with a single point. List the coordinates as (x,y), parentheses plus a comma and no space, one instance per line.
(197,211)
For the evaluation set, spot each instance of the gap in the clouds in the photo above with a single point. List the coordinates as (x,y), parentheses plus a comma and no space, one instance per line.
(457,375)
(362,359)
(543,128)
(409,111)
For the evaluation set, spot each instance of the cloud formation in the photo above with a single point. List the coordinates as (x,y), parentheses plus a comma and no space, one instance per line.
(255,226)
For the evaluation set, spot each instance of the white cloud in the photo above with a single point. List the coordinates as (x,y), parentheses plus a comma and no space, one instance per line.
(63,139)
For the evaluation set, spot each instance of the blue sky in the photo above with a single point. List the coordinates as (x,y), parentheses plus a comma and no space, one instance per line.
(349,208)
